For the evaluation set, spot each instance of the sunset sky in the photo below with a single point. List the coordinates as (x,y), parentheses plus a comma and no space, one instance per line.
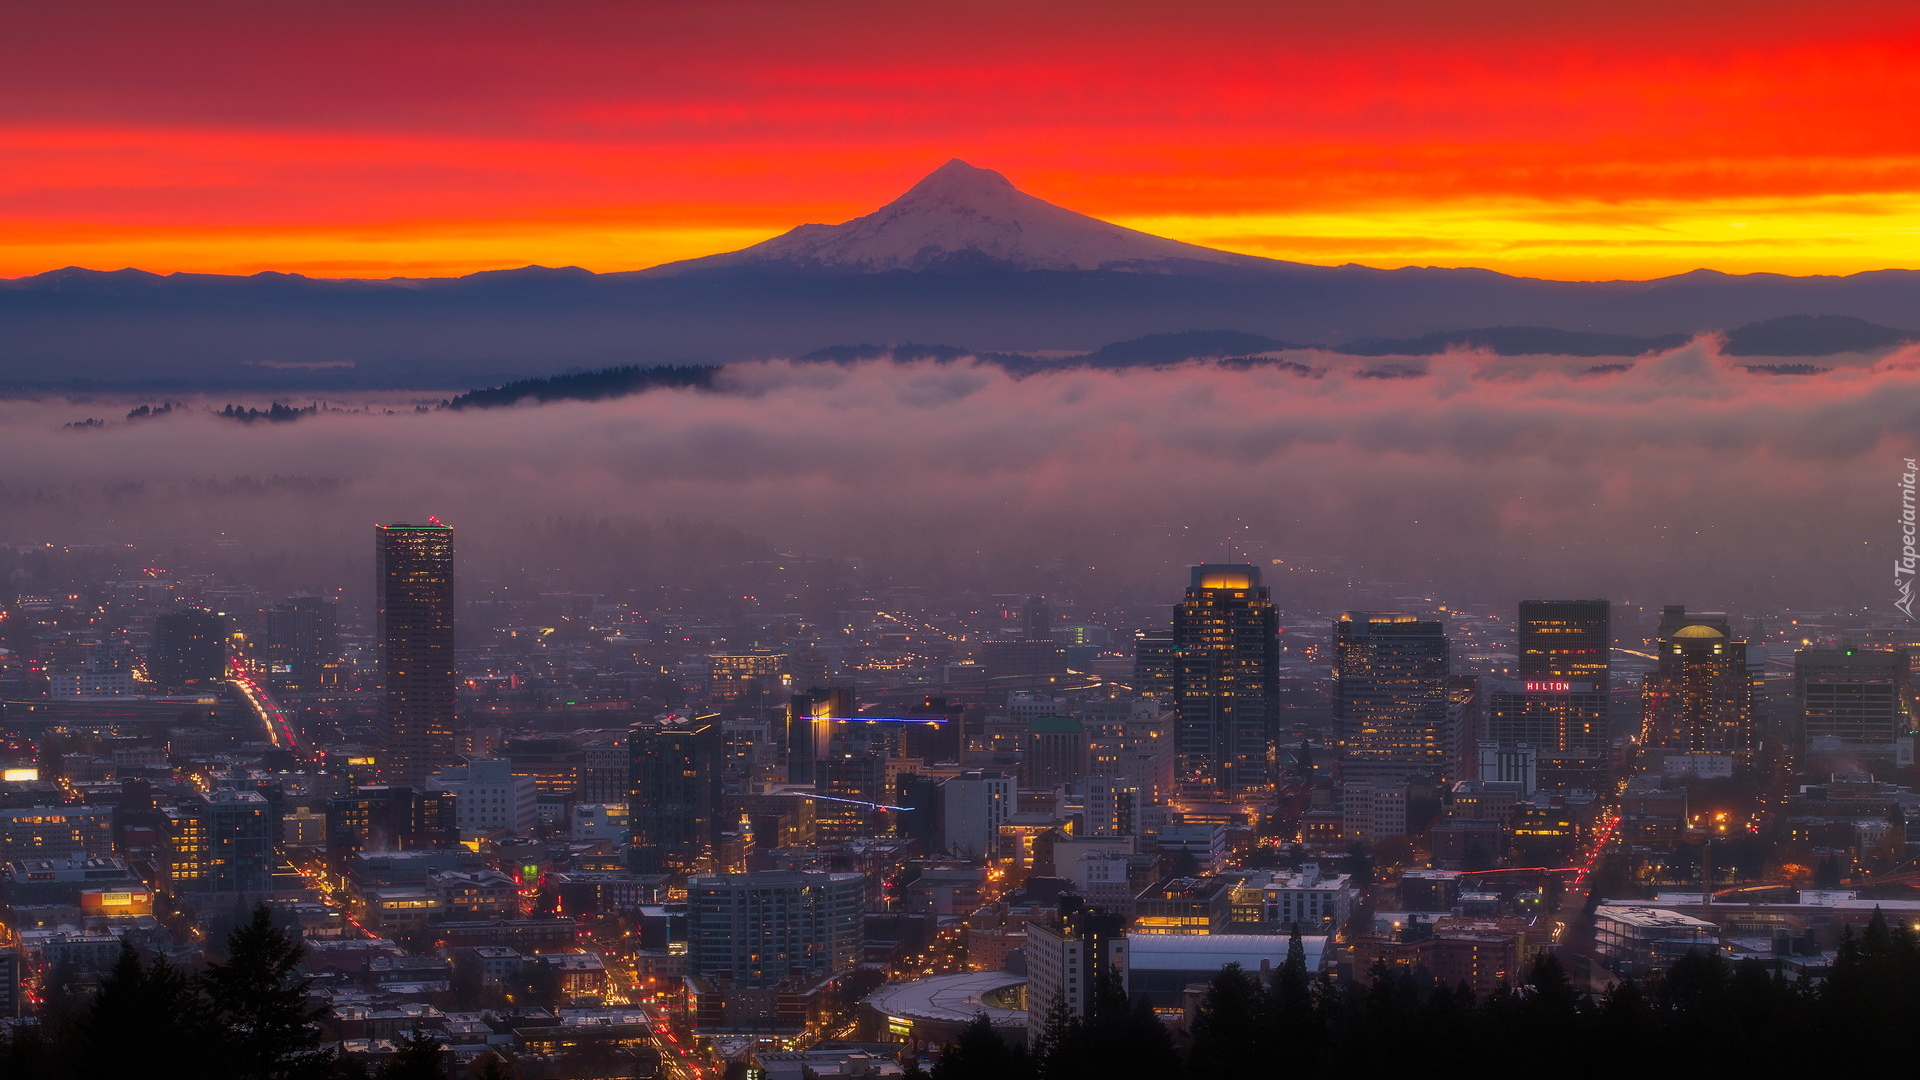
(1629,139)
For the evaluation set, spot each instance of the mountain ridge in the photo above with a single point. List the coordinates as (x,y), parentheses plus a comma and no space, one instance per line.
(961,256)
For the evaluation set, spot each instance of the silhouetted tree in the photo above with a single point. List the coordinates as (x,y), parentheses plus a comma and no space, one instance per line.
(417,1058)
(147,1021)
(260,999)
(1055,1042)
(981,1054)
(1827,874)
(1228,1033)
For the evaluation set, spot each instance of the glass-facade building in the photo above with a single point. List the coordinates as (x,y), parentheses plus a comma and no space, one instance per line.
(414,635)
(674,773)
(1224,665)
(1390,695)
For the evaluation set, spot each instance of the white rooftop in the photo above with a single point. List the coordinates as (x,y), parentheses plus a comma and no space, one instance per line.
(949,997)
(1652,918)
(1208,952)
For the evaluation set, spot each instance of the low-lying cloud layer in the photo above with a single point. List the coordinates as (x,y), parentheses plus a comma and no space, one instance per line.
(1684,478)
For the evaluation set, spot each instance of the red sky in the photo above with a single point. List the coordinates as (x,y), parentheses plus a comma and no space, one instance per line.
(1628,139)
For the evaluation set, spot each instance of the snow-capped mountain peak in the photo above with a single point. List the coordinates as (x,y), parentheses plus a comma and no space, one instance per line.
(960,217)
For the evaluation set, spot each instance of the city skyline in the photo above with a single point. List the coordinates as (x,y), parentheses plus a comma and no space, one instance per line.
(1002,542)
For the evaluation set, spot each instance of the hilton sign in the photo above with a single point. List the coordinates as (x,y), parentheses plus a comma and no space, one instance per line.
(1556,686)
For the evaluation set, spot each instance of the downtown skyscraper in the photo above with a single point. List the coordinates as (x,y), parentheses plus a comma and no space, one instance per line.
(413,595)
(674,781)
(1558,705)
(1700,701)
(1223,659)
(1390,708)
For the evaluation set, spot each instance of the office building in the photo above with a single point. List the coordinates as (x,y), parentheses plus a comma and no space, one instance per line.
(1371,811)
(810,721)
(674,768)
(413,633)
(1184,905)
(1226,670)
(1516,764)
(238,828)
(1558,705)
(490,797)
(383,817)
(1035,652)
(1113,806)
(1700,701)
(553,761)
(762,929)
(56,832)
(1056,752)
(1638,942)
(1136,747)
(1153,667)
(1069,956)
(853,777)
(1316,903)
(973,806)
(1855,708)
(298,639)
(189,650)
(745,678)
(1391,700)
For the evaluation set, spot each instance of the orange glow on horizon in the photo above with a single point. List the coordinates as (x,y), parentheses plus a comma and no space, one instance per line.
(1647,140)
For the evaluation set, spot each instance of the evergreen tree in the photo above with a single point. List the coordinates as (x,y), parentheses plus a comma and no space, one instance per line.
(1228,1032)
(1827,874)
(418,1058)
(1055,1042)
(26,1054)
(146,1021)
(981,1054)
(1129,1043)
(260,998)
(490,1066)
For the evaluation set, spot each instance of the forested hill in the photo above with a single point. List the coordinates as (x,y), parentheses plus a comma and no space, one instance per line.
(588,385)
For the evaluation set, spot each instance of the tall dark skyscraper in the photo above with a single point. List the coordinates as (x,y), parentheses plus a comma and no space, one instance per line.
(189,649)
(1558,705)
(1226,681)
(1390,695)
(1701,699)
(413,567)
(673,803)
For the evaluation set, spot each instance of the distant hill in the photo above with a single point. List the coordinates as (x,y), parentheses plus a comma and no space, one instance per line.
(586,386)
(1519,341)
(1178,347)
(1812,335)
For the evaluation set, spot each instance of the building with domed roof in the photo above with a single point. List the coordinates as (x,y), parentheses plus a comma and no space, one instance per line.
(1700,701)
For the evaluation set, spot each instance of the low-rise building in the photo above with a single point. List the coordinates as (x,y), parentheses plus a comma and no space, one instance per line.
(1184,905)
(1309,899)
(1642,941)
